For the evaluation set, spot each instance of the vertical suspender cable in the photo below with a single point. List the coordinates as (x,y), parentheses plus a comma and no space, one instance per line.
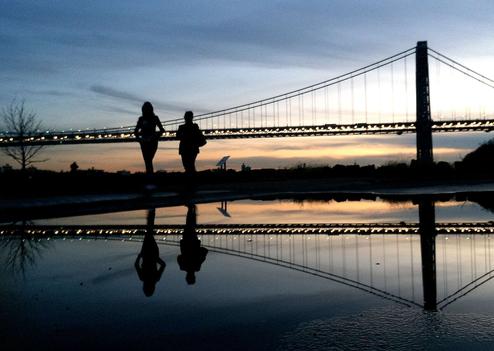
(392,93)
(339,103)
(248,117)
(278,113)
(365,97)
(438,89)
(371,262)
(313,112)
(352,100)
(357,257)
(398,264)
(266,125)
(290,108)
(379,94)
(384,264)
(286,112)
(412,268)
(406,89)
(326,104)
(262,115)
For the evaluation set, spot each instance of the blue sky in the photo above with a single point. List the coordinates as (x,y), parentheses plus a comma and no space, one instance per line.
(92,63)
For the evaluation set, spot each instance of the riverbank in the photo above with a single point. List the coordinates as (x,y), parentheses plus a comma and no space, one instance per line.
(342,189)
(16,184)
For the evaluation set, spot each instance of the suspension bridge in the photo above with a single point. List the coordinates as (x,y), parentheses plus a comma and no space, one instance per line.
(426,264)
(385,97)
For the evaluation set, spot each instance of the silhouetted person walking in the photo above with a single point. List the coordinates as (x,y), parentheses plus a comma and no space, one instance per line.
(192,255)
(148,264)
(147,135)
(191,139)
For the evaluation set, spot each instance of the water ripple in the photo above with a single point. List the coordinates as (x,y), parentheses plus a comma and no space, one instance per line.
(394,329)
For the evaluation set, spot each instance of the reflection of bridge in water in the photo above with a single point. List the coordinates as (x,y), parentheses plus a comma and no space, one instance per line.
(424,264)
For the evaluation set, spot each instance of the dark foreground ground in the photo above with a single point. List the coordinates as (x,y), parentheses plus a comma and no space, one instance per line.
(87,194)
(16,184)
(36,193)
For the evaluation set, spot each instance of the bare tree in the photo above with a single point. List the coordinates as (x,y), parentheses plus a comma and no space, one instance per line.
(23,124)
(22,249)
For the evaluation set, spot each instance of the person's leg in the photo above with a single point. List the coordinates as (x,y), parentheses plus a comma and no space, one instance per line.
(184,161)
(153,146)
(145,156)
(190,175)
(149,165)
(189,162)
(193,163)
(148,152)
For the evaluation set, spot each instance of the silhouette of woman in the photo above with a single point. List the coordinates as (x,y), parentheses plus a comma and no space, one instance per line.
(147,136)
(148,264)
(191,138)
(192,254)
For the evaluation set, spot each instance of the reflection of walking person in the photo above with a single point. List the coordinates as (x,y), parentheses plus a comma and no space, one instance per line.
(149,265)
(191,139)
(147,135)
(192,254)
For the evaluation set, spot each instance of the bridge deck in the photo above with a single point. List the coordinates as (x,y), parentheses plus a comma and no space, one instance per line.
(251,229)
(124,135)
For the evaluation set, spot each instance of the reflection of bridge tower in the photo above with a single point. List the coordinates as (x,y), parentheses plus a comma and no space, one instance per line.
(427,230)
(424,121)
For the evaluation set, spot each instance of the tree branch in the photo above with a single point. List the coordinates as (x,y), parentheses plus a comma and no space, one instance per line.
(23,124)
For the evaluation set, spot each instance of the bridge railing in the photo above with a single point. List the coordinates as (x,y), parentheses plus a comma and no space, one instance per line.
(117,135)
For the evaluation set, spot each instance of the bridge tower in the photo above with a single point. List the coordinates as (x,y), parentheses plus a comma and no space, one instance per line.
(423,123)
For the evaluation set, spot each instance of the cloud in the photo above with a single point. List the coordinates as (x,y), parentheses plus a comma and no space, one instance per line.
(129,34)
(121,110)
(133,98)
(113,55)
(49,92)
(115,93)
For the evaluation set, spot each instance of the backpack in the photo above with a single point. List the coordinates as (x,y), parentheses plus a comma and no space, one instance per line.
(201,139)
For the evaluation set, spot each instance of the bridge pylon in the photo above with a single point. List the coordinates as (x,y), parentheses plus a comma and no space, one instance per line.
(423,108)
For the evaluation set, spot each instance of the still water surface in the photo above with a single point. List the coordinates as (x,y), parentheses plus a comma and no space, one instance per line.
(259,290)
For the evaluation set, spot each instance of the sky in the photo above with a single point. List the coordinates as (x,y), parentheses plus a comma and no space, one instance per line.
(93,63)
